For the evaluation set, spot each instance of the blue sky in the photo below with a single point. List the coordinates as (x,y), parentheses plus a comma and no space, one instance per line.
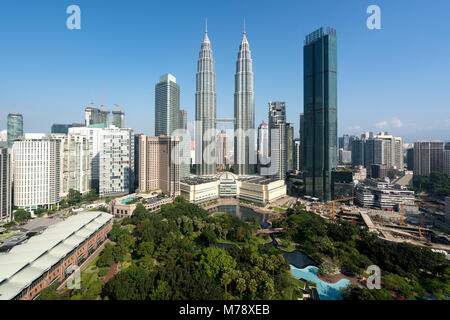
(395,79)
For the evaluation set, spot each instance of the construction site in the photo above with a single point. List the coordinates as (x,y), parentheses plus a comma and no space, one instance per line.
(420,223)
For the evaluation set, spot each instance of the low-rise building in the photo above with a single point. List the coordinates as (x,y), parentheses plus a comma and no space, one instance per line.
(382,195)
(251,188)
(199,189)
(51,256)
(125,206)
(261,190)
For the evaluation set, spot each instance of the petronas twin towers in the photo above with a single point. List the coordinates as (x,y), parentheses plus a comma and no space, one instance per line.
(244,111)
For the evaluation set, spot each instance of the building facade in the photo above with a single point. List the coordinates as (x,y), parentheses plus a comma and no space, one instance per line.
(289,147)
(244,112)
(205,111)
(118,118)
(277,141)
(14,128)
(5,185)
(74,163)
(111,157)
(158,164)
(167,105)
(36,173)
(96,117)
(320,110)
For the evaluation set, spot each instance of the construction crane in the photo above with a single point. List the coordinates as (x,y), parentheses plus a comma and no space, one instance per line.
(338,200)
(401,205)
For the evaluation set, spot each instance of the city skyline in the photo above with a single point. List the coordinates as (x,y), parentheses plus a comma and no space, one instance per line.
(369,100)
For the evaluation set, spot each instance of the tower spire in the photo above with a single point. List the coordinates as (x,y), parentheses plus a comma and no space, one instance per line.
(206,25)
(244,25)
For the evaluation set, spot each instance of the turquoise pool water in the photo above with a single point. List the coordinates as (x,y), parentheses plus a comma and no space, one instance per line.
(326,291)
(125,201)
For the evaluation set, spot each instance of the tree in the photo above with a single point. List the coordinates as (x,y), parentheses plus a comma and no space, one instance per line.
(216,262)
(74,197)
(145,248)
(21,215)
(106,257)
(208,238)
(225,281)
(91,195)
(241,286)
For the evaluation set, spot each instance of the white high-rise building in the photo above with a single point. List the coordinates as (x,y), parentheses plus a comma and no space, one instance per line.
(392,153)
(75,164)
(36,173)
(111,155)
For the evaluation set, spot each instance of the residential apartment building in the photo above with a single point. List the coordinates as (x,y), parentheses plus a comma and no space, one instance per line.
(75,166)
(37,173)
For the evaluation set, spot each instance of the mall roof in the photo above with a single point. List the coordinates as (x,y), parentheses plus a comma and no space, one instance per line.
(26,262)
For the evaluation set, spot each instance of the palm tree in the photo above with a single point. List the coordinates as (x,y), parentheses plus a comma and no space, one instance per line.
(226,280)
(241,286)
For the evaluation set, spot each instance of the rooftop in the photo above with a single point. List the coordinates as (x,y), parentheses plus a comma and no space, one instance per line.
(26,262)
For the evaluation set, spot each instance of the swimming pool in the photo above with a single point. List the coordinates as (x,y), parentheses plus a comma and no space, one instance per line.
(326,291)
(125,201)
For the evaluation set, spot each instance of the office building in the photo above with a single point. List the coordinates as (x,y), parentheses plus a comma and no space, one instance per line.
(158,164)
(428,157)
(289,147)
(244,112)
(205,111)
(447,162)
(182,120)
(410,159)
(379,171)
(277,141)
(5,185)
(64,128)
(36,173)
(320,110)
(118,118)
(263,146)
(14,128)
(167,105)
(75,167)
(297,155)
(357,153)
(382,195)
(95,117)
(136,160)
(345,156)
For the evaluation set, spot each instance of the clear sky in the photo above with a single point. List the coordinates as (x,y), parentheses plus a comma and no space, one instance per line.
(395,79)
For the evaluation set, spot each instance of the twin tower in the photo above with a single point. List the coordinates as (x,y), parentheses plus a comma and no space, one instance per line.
(205,111)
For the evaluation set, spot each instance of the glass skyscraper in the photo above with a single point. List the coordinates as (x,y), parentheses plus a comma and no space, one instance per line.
(167,105)
(15,128)
(320,111)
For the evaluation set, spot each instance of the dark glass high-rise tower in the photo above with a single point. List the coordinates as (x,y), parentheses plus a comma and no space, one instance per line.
(14,128)
(320,111)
